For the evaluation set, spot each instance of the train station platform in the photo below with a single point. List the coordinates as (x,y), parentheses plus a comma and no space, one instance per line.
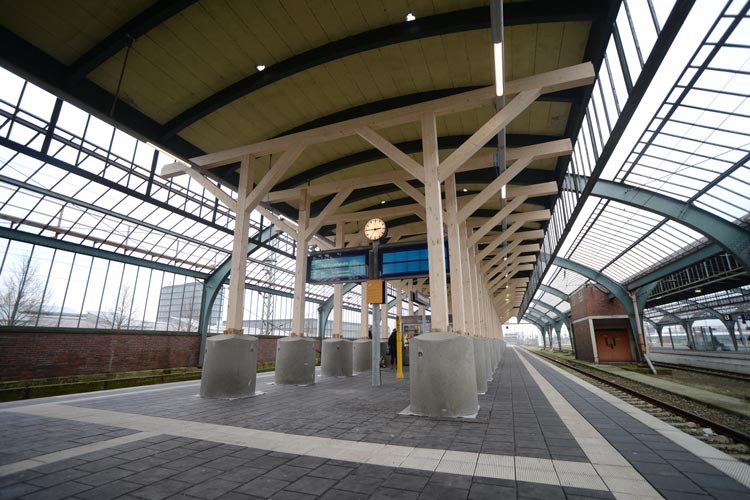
(540,433)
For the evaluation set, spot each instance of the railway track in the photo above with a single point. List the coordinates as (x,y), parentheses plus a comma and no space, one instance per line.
(705,371)
(724,437)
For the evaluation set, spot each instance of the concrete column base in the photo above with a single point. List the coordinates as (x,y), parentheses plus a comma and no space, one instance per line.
(489,368)
(229,367)
(295,361)
(442,376)
(479,365)
(336,358)
(362,355)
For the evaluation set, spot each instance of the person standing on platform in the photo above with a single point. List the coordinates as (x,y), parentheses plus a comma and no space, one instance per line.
(392,347)
(369,331)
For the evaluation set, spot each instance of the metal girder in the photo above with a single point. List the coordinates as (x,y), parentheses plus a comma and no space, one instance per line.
(615,288)
(47,72)
(659,51)
(45,241)
(563,317)
(540,316)
(554,291)
(731,237)
(324,310)
(110,184)
(436,25)
(675,266)
(142,23)
(666,313)
(213,283)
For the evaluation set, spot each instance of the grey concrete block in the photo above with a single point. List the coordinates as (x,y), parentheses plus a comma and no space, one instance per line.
(480,365)
(362,355)
(336,358)
(295,361)
(443,376)
(229,367)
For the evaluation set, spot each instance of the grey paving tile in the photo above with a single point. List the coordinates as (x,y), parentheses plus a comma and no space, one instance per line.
(57,492)
(104,477)
(406,481)
(287,472)
(161,489)
(211,488)
(331,471)
(17,490)
(584,493)
(334,494)
(307,462)
(291,495)
(540,491)
(482,491)
(435,491)
(359,483)
(242,474)
(311,485)
(100,465)
(197,475)
(385,493)
(262,487)
(152,475)
(56,478)
(109,490)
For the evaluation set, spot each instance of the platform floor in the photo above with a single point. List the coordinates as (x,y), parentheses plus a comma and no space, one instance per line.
(540,433)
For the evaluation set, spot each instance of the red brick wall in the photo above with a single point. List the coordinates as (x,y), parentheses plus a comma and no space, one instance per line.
(589,301)
(582,336)
(25,355)
(40,355)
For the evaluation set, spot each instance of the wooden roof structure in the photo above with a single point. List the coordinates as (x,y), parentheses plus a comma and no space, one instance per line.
(342,81)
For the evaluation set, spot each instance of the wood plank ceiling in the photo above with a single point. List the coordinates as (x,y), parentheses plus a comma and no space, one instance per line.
(191,82)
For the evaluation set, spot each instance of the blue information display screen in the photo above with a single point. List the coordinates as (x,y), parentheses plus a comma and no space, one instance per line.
(407,260)
(338,266)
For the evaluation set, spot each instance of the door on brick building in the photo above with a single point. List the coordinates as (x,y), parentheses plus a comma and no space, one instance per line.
(613,345)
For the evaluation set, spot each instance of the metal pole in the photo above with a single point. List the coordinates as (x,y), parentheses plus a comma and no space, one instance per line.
(399,349)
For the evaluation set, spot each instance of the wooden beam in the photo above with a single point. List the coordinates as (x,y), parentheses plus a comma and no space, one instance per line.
(434,221)
(534,234)
(487,131)
(322,218)
(499,240)
(207,184)
(237,273)
(398,211)
(298,302)
(400,158)
(493,188)
(503,254)
(273,175)
(410,190)
(495,220)
(552,81)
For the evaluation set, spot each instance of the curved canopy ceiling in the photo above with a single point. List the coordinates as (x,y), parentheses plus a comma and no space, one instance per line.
(187,75)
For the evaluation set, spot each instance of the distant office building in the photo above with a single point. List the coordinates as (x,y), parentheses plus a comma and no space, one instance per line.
(181,304)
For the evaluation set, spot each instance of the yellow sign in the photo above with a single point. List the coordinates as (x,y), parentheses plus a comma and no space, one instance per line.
(375,292)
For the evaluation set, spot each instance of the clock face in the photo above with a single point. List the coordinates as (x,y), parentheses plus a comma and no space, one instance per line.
(375,229)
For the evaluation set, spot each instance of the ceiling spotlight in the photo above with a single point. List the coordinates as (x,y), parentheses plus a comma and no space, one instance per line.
(410,17)
(382,202)
(466,190)
(697,290)
(260,67)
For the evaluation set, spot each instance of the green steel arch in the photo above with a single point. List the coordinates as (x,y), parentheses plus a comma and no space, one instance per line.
(731,237)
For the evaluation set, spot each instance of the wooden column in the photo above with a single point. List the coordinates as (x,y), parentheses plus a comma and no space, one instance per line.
(456,247)
(238,272)
(338,292)
(434,219)
(298,305)
(467,283)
